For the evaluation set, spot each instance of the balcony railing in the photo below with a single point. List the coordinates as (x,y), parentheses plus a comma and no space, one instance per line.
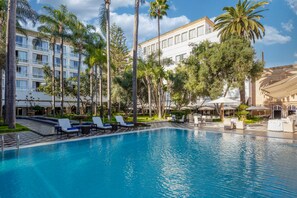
(40,48)
(22,60)
(21,74)
(73,54)
(40,62)
(23,45)
(37,75)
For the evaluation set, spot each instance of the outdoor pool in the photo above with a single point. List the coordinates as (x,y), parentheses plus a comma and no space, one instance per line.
(159,163)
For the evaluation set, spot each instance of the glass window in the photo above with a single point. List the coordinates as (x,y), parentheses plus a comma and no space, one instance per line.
(58,48)
(164,43)
(153,46)
(22,84)
(40,45)
(72,52)
(177,39)
(144,51)
(22,71)
(184,37)
(73,74)
(40,59)
(180,57)
(73,64)
(192,34)
(57,74)
(148,49)
(37,72)
(58,62)
(21,56)
(200,30)
(21,41)
(36,85)
(170,41)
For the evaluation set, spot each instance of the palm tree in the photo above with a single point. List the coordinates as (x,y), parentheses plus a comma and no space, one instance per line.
(158,9)
(60,19)
(243,21)
(49,30)
(80,38)
(12,14)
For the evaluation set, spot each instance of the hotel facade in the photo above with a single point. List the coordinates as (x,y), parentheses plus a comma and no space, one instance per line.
(177,45)
(32,55)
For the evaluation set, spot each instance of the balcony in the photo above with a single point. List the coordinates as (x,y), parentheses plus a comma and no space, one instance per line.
(21,60)
(74,55)
(37,76)
(21,75)
(23,45)
(40,48)
(39,62)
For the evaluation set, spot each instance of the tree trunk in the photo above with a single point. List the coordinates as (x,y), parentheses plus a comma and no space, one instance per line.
(92,91)
(53,81)
(78,84)
(100,91)
(62,75)
(242,93)
(11,65)
(135,45)
(96,89)
(107,4)
(149,97)
(1,96)
(160,81)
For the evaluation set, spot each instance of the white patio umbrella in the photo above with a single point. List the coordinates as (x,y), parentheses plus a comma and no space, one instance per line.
(223,101)
(257,108)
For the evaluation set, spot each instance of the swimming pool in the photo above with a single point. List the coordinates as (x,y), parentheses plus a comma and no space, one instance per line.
(159,163)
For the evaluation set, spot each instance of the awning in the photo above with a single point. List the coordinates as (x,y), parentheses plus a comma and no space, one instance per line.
(283,88)
(257,108)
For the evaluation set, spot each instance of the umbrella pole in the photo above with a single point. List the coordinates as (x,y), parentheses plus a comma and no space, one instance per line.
(222,112)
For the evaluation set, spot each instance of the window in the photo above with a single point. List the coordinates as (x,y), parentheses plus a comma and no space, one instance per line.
(58,48)
(37,72)
(157,46)
(164,43)
(192,34)
(36,85)
(73,64)
(73,74)
(170,41)
(72,52)
(58,62)
(40,45)
(21,84)
(57,74)
(148,49)
(22,71)
(153,46)
(177,39)
(144,51)
(180,57)
(208,29)
(21,41)
(40,59)
(22,56)
(200,30)
(184,37)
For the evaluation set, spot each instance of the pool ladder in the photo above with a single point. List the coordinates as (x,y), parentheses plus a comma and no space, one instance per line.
(17,143)
(2,144)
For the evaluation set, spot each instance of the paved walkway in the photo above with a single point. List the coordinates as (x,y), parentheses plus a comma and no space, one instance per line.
(39,128)
(29,138)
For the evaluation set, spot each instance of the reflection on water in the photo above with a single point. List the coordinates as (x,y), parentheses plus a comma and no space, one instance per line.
(163,163)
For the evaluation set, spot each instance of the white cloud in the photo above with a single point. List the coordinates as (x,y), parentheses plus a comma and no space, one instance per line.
(293,5)
(295,54)
(288,26)
(147,26)
(273,36)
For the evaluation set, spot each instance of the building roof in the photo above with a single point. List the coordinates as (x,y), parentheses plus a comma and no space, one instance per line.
(210,22)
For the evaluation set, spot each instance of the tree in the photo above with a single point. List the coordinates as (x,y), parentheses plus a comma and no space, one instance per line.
(81,35)
(60,19)
(241,20)
(158,9)
(18,12)
(214,68)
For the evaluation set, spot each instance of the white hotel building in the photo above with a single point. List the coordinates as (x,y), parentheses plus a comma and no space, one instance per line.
(32,54)
(176,45)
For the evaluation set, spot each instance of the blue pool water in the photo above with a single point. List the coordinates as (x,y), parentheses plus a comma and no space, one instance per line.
(161,163)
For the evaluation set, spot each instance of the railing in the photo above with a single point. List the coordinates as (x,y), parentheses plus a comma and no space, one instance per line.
(22,60)
(37,76)
(40,62)
(23,45)
(22,74)
(73,55)
(40,48)
(2,145)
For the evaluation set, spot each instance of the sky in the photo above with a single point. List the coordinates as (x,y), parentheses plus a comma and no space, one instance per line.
(280,20)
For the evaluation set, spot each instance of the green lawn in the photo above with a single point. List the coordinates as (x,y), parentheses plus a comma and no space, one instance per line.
(19,128)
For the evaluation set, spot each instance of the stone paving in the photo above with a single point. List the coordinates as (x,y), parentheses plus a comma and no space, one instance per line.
(30,138)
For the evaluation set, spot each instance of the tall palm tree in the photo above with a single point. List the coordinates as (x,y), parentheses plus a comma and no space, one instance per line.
(158,9)
(243,21)
(49,30)
(80,37)
(135,46)
(60,19)
(12,13)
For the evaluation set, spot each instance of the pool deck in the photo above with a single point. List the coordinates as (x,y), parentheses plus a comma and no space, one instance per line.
(38,129)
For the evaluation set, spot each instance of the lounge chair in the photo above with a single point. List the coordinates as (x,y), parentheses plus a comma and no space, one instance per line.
(122,123)
(99,124)
(173,118)
(66,127)
(182,120)
(196,121)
